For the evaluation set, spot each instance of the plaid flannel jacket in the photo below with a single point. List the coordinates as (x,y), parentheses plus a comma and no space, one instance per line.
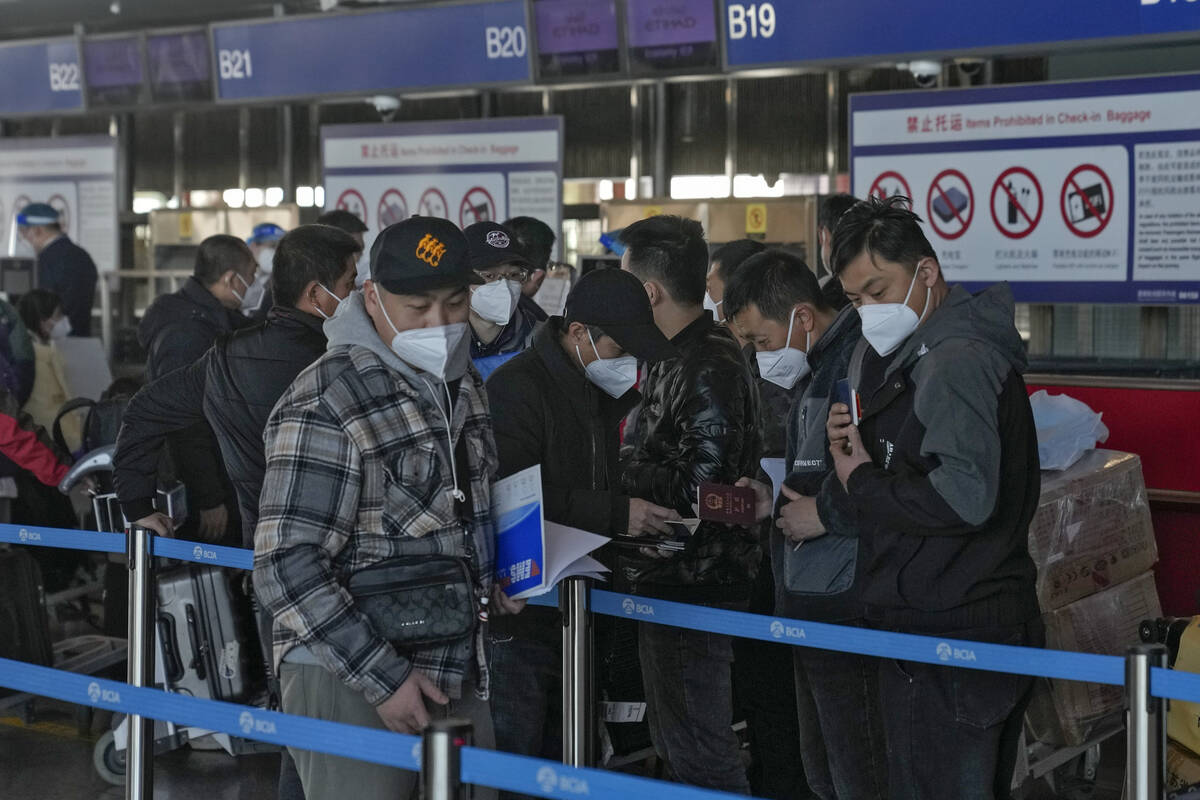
(358,471)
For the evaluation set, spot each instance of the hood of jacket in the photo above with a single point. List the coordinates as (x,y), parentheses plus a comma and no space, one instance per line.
(988,318)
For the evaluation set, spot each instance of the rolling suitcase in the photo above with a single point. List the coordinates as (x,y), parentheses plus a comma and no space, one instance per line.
(201,634)
(24,624)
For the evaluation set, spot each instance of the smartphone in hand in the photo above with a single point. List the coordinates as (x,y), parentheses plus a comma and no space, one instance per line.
(846,394)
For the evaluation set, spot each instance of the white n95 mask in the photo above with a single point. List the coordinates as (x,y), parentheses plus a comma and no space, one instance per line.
(713,306)
(885,326)
(61,329)
(266,260)
(440,351)
(787,365)
(496,301)
(614,376)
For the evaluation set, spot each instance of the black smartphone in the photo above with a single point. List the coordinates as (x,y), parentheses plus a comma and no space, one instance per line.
(846,394)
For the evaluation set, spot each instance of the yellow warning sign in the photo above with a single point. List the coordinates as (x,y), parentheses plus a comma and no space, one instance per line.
(185,226)
(756,218)
(651,211)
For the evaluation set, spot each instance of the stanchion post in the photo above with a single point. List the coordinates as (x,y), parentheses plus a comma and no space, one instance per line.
(139,758)
(441,758)
(1145,725)
(579,724)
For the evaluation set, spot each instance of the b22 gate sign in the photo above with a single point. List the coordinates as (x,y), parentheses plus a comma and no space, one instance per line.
(1085,192)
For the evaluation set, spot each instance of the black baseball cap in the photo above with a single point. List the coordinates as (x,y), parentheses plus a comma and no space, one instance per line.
(491,244)
(421,254)
(616,302)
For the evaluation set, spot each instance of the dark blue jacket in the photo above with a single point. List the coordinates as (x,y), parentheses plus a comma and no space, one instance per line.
(66,269)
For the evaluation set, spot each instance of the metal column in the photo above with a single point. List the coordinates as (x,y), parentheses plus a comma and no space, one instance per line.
(441,759)
(178,182)
(635,149)
(731,131)
(579,724)
(287,173)
(1145,725)
(662,186)
(139,764)
(833,127)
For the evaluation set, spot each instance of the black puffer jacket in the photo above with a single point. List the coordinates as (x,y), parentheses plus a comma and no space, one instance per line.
(177,330)
(234,387)
(698,422)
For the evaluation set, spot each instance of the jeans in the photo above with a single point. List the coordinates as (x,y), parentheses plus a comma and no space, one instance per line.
(841,737)
(526,689)
(689,705)
(953,732)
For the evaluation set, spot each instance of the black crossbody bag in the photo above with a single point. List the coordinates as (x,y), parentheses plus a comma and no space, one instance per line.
(423,601)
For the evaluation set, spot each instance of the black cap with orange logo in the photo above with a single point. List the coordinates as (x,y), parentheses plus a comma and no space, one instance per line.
(421,254)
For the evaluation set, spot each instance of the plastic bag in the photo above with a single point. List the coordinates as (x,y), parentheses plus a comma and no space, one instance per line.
(1066,429)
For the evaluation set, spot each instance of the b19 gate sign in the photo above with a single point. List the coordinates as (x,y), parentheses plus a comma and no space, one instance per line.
(1090,191)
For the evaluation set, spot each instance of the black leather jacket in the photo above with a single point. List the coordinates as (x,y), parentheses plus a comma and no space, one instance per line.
(233,387)
(698,422)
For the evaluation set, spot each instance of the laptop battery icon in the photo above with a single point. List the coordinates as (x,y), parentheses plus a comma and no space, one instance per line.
(957,202)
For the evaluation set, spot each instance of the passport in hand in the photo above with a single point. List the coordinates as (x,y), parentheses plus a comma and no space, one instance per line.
(734,505)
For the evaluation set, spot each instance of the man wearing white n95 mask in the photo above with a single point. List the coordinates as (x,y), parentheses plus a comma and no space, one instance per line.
(501,326)
(940,473)
(379,466)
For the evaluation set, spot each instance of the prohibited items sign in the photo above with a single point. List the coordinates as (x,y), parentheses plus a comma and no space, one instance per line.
(1087,201)
(1017,203)
(951,204)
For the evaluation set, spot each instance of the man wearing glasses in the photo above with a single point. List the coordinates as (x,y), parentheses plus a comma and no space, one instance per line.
(500,326)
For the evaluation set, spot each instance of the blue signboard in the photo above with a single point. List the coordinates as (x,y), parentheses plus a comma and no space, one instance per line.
(40,76)
(1081,192)
(412,48)
(789,31)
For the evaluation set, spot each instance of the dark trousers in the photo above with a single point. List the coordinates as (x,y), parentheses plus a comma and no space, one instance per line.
(841,735)
(765,696)
(953,732)
(689,705)
(526,696)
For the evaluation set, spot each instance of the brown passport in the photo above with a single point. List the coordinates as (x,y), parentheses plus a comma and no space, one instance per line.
(719,502)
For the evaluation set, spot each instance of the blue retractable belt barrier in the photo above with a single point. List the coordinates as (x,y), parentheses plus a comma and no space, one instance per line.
(66,539)
(482,767)
(883,644)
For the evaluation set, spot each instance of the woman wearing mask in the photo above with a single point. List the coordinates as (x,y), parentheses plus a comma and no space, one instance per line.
(42,312)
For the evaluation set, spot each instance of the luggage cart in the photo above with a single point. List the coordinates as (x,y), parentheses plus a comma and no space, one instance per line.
(108,756)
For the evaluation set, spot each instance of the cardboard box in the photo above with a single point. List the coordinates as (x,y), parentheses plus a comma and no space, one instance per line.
(1183,767)
(1092,529)
(1105,623)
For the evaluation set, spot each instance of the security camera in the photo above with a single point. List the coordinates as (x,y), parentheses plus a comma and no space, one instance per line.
(926,73)
(969,66)
(386,106)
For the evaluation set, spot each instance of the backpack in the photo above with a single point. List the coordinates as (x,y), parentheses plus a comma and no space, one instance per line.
(101,424)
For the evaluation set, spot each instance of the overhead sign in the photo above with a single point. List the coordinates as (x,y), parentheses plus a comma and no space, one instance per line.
(405,48)
(179,66)
(667,35)
(466,171)
(577,37)
(76,175)
(1091,189)
(37,77)
(113,70)
(787,31)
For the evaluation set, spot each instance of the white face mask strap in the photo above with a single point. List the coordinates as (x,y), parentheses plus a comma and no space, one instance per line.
(593,341)
(382,308)
(791,321)
(336,299)
(241,296)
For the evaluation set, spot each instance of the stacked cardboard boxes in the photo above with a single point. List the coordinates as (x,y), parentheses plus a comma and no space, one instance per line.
(1093,543)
